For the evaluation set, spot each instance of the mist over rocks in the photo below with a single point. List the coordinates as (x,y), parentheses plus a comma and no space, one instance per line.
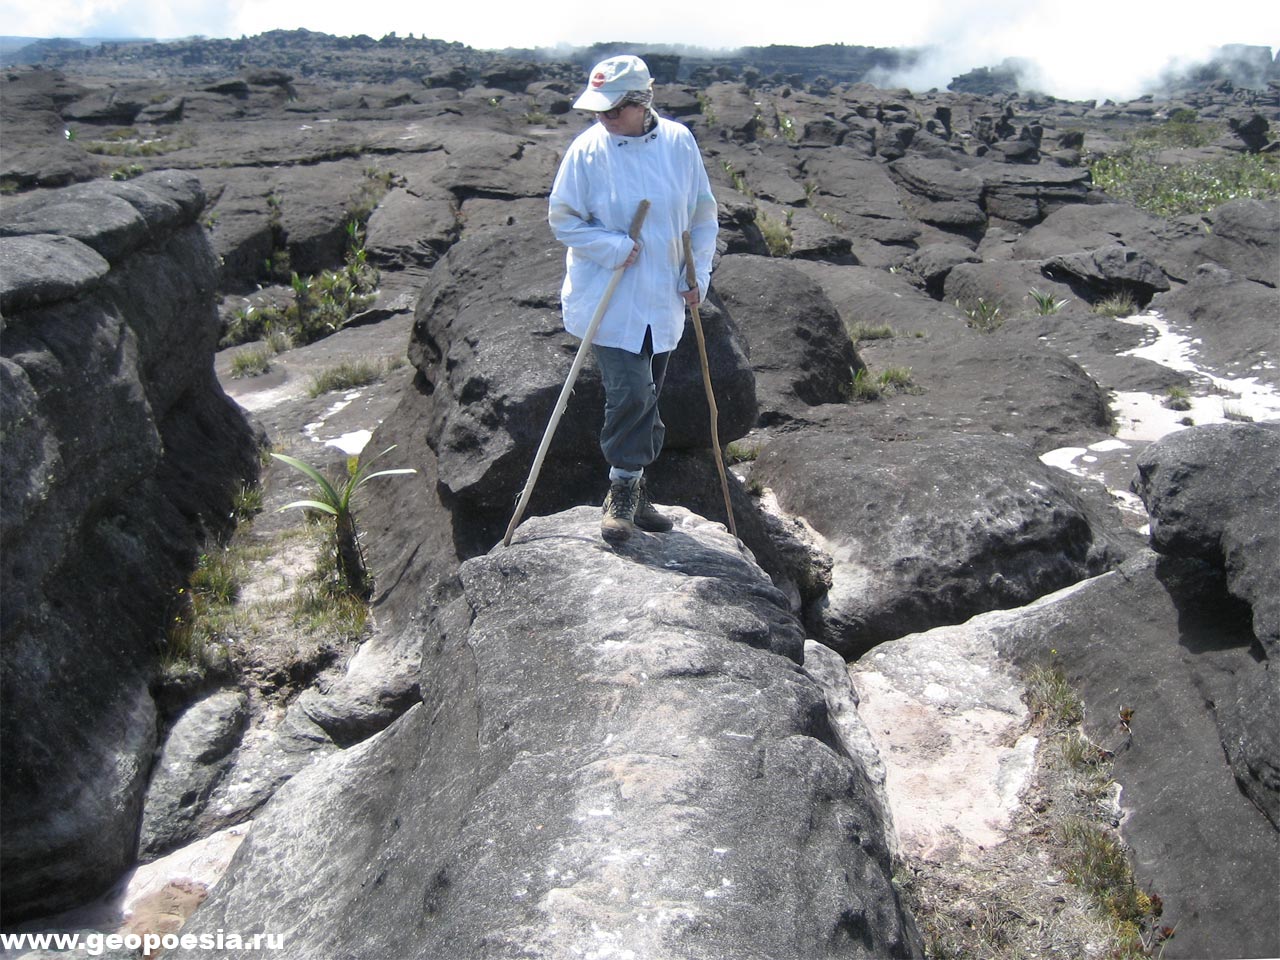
(895,400)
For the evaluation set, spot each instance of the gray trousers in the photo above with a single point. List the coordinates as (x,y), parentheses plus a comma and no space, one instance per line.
(633,432)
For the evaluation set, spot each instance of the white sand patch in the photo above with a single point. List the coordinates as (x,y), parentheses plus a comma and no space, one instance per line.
(258,400)
(351,443)
(1144,417)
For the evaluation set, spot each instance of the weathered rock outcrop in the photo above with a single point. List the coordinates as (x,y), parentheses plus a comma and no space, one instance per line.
(120,451)
(1211,492)
(616,751)
(927,531)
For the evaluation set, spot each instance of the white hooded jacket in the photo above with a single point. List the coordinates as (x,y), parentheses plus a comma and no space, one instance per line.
(601,182)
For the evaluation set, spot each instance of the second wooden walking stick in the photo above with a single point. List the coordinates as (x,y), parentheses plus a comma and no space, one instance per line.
(583,349)
(691,276)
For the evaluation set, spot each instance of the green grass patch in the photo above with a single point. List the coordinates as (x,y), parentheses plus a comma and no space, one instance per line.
(776,234)
(1178,189)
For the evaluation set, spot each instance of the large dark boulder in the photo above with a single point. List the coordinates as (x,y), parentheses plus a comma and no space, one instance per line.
(1212,492)
(617,750)
(1244,237)
(930,531)
(1113,269)
(800,351)
(120,453)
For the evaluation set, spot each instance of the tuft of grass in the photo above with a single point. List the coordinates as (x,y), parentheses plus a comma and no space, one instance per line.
(202,612)
(252,362)
(128,172)
(1051,699)
(1177,398)
(1231,411)
(739,452)
(355,373)
(863,331)
(776,234)
(1098,862)
(895,380)
(738,178)
(1117,305)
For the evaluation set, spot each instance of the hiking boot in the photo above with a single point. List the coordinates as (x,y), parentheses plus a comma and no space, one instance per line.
(617,522)
(647,517)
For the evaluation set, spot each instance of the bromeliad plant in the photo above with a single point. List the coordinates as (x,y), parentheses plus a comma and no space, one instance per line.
(335,501)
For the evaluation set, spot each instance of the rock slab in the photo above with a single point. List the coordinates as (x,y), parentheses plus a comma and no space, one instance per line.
(617,754)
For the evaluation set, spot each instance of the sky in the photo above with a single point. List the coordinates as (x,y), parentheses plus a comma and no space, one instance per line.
(1082,50)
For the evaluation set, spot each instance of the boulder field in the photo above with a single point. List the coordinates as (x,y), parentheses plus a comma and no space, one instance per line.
(561,749)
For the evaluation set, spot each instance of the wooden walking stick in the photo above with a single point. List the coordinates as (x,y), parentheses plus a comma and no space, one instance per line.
(563,402)
(691,276)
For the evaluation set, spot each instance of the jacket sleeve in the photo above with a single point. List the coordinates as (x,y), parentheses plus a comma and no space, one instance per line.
(703,225)
(572,223)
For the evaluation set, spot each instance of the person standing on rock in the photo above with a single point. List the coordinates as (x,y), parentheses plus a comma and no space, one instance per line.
(631,154)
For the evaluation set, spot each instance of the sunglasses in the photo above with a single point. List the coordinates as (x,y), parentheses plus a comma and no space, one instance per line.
(616,112)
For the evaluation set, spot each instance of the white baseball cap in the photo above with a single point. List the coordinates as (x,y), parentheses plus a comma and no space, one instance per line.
(610,80)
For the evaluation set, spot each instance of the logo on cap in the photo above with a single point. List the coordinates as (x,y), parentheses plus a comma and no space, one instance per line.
(598,80)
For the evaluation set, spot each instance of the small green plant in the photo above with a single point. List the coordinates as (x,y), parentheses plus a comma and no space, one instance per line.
(1117,305)
(739,180)
(1177,398)
(787,127)
(863,386)
(335,501)
(247,502)
(1045,303)
(128,172)
(739,452)
(252,362)
(983,315)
